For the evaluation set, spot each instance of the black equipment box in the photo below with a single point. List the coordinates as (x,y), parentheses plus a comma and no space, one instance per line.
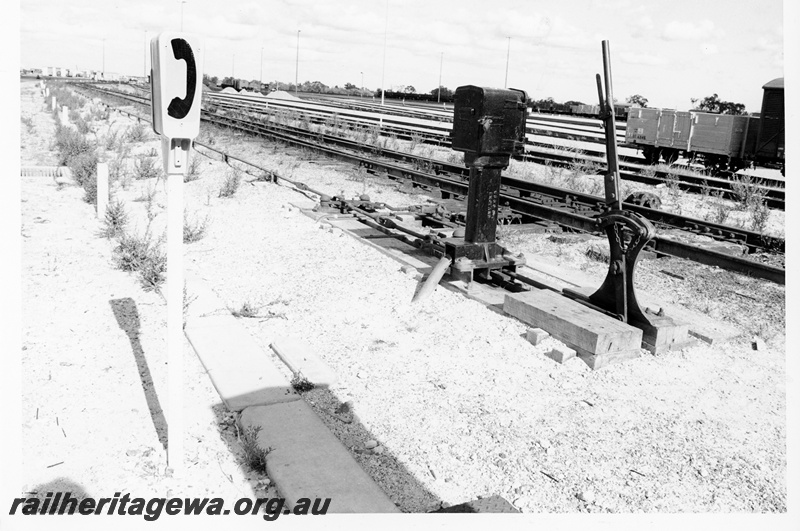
(489,121)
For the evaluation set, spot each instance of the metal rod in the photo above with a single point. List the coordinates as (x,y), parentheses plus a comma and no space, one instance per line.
(297,63)
(508,55)
(439,90)
(613,199)
(383,70)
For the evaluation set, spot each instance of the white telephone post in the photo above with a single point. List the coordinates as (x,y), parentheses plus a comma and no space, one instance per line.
(176,62)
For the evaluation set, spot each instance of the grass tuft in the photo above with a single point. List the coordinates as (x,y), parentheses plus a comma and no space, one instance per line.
(193,229)
(254,455)
(231,184)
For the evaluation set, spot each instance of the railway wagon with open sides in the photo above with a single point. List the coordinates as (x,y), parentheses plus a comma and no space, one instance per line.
(721,141)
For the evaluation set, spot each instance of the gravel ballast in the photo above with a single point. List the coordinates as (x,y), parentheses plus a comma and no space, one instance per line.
(448,401)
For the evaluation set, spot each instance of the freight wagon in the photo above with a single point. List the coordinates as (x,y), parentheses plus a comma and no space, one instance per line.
(720,141)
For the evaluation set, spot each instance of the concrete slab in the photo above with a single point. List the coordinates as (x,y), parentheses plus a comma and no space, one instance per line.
(308,461)
(301,359)
(240,370)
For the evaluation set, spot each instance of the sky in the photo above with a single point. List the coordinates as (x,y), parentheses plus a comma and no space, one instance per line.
(669,52)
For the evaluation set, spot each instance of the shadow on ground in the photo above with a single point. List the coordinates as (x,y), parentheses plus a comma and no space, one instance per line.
(127,316)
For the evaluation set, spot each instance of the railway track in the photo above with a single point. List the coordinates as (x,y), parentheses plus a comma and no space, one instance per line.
(531,201)
(537,149)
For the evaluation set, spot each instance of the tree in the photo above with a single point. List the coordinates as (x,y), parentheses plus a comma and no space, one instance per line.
(410,90)
(572,103)
(446,93)
(349,86)
(714,104)
(637,99)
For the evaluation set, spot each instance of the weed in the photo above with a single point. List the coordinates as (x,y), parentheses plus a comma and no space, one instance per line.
(747,190)
(193,172)
(648,171)
(69,144)
(193,230)
(301,384)
(672,181)
(90,190)
(455,157)
(141,254)
(112,139)
(581,166)
(145,167)
(115,221)
(117,172)
(254,455)
(231,184)
(759,213)
(136,133)
(28,122)
(247,310)
(720,210)
(705,192)
(84,167)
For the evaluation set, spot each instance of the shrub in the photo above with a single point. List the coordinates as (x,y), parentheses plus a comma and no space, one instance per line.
(90,191)
(720,210)
(84,167)
(69,144)
(747,190)
(759,216)
(112,139)
(115,221)
(136,133)
(145,167)
(28,122)
(193,172)
(140,254)
(193,230)
(231,184)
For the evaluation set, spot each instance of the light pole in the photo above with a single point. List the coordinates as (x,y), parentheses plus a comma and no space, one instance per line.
(182,2)
(297,63)
(233,67)
(439,90)
(261,74)
(508,54)
(383,71)
(145,54)
(104,58)
(362,85)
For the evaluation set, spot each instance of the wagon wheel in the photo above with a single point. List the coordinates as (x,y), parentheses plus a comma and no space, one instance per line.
(651,154)
(670,155)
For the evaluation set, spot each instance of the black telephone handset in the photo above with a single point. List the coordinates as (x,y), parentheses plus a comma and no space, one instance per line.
(179,107)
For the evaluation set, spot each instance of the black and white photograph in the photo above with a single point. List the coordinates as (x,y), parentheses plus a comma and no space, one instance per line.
(291,260)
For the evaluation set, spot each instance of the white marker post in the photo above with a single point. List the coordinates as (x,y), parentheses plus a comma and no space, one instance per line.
(176,82)
(102,189)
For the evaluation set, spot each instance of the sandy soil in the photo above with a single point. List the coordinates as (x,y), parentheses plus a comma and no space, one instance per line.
(460,403)
(94,359)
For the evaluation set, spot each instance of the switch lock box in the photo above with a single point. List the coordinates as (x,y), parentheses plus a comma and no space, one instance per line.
(489,122)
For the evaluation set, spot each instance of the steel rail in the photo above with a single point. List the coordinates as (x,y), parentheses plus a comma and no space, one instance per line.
(538,210)
(774,196)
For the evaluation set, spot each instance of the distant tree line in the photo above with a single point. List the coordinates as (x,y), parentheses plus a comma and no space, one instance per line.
(714,104)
